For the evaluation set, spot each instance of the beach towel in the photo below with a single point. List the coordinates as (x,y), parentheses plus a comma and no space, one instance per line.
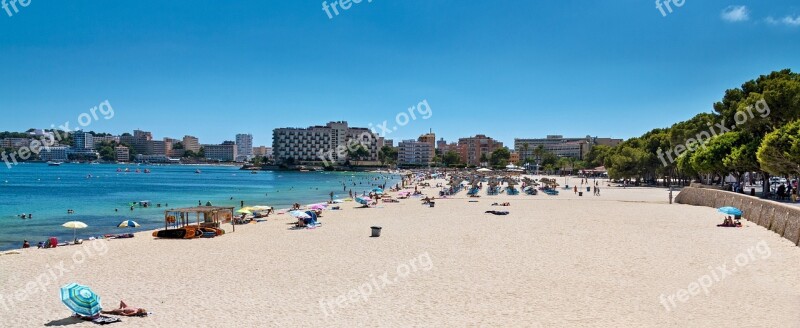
(498,212)
(99,320)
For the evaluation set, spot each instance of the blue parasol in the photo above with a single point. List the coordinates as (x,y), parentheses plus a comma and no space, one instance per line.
(730,211)
(362,201)
(80,299)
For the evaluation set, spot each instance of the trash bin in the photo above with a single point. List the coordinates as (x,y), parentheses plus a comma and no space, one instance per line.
(588,189)
(752,191)
(376,231)
(580,194)
(432,204)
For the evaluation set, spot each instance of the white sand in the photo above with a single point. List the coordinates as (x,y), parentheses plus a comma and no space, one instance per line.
(556,261)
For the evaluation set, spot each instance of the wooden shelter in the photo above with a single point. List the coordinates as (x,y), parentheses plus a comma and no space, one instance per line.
(201,216)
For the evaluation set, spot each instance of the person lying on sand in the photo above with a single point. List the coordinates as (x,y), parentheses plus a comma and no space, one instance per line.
(729,223)
(127,311)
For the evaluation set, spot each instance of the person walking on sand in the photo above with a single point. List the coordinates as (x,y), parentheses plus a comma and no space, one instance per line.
(575,188)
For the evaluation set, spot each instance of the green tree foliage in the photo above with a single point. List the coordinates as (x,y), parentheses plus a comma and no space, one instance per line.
(500,157)
(387,155)
(779,154)
(357,153)
(706,145)
(598,155)
(451,158)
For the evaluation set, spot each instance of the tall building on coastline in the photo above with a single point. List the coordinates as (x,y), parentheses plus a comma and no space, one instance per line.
(472,149)
(191,143)
(262,151)
(83,140)
(318,145)
(414,153)
(225,152)
(430,139)
(244,147)
(560,146)
(139,142)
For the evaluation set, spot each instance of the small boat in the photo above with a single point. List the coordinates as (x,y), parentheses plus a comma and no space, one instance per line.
(146,171)
(127,169)
(137,171)
(197,171)
(119,170)
(51,163)
(253,172)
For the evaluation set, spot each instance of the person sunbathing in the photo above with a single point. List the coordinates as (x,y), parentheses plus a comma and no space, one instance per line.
(728,222)
(127,311)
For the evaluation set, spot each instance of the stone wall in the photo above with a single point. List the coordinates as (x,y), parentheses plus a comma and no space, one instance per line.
(778,218)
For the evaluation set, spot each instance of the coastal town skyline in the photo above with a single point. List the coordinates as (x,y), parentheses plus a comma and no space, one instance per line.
(290,64)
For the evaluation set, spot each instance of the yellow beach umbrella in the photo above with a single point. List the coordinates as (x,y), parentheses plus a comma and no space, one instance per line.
(74,225)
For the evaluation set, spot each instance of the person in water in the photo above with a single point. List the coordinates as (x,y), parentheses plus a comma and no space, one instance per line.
(25,244)
(127,311)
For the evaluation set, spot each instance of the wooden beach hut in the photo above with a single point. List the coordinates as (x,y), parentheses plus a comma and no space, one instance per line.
(199,216)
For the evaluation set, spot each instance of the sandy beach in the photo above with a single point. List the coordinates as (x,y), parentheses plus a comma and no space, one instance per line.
(627,258)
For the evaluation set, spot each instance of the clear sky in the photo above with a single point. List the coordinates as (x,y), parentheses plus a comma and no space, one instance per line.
(502,68)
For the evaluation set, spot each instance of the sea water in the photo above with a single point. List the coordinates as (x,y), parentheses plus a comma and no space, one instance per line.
(101,197)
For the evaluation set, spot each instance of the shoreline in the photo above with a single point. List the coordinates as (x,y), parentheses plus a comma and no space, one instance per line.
(102,219)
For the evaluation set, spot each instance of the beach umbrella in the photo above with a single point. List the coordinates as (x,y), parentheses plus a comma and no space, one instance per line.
(317,207)
(363,201)
(244,211)
(377,190)
(261,208)
(338,201)
(730,211)
(80,299)
(128,224)
(299,214)
(74,225)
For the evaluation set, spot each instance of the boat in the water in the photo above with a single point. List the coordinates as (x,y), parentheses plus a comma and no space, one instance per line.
(197,171)
(51,163)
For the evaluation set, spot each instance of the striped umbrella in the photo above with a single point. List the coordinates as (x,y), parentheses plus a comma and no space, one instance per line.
(80,299)
(128,224)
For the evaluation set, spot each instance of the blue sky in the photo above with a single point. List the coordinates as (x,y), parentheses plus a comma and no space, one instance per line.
(502,68)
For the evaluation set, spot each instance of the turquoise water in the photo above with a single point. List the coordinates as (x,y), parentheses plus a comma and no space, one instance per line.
(95,191)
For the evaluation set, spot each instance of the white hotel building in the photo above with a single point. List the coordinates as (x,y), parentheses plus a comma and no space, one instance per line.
(416,153)
(244,147)
(304,145)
